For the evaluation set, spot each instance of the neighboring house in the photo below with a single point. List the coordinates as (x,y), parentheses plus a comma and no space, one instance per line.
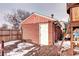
(41,29)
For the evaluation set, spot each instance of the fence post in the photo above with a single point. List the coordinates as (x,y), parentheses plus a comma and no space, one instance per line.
(2,47)
(2,44)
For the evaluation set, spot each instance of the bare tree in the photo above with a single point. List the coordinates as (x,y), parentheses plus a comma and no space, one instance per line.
(16,17)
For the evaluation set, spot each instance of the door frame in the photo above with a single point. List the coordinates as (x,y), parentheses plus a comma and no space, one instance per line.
(40,38)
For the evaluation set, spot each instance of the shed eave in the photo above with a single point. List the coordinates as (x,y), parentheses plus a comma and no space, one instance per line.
(49,19)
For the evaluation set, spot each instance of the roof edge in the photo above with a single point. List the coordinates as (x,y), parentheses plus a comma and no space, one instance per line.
(51,19)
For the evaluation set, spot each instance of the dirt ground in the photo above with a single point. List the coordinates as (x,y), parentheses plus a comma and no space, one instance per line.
(50,51)
(44,51)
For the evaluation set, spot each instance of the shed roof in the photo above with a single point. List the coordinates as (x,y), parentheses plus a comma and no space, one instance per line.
(36,18)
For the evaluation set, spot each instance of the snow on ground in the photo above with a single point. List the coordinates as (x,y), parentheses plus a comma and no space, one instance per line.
(19,53)
(23,45)
(66,44)
(20,50)
(10,42)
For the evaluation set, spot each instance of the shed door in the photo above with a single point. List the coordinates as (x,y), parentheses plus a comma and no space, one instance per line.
(43,30)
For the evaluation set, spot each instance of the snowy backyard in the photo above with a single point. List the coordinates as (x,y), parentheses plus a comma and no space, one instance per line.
(17,48)
(22,48)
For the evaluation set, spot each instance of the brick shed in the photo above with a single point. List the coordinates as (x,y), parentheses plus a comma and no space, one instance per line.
(40,29)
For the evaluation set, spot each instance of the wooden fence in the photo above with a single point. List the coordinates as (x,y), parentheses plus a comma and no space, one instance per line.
(10,34)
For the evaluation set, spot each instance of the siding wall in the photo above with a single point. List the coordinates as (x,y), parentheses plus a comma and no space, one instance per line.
(51,33)
(31,32)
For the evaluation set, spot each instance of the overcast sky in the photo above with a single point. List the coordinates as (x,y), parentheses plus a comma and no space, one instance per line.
(58,9)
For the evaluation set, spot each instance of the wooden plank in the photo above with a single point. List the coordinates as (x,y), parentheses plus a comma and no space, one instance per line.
(72,41)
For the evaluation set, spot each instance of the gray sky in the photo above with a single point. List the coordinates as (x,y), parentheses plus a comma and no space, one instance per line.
(58,9)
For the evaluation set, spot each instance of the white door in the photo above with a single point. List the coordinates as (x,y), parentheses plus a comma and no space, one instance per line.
(43,31)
